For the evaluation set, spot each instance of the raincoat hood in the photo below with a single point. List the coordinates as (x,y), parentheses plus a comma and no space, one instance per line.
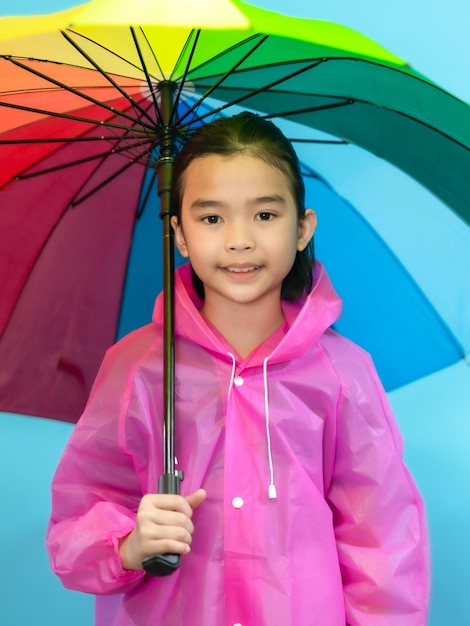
(307,319)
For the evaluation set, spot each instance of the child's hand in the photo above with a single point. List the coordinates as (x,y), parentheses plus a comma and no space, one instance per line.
(163,526)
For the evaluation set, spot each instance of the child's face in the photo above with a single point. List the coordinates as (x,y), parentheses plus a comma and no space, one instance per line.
(239,227)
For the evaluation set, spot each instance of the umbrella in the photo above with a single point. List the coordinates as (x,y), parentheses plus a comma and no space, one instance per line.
(94,101)
(80,79)
(83,115)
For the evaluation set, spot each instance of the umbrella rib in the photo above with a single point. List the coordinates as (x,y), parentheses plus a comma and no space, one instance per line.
(312,109)
(285,91)
(152,51)
(33,265)
(74,202)
(143,201)
(6,142)
(83,138)
(366,103)
(312,61)
(261,89)
(412,75)
(66,116)
(112,52)
(322,107)
(307,171)
(43,247)
(107,77)
(220,81)
(145,70)
(80,94)
(81,161)
(185,73)
(230,49)
(136,134)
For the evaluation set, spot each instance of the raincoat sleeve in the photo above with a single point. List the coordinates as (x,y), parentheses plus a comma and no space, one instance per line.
(96,492)
(378,513)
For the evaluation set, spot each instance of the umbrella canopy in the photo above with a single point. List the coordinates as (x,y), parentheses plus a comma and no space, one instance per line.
(84,124)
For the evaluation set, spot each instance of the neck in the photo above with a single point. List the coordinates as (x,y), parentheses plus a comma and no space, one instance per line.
(244,326)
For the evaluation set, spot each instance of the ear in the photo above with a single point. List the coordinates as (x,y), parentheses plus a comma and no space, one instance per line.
(307,226)
(179,237)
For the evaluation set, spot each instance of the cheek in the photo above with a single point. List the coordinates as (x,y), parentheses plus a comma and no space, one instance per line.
(291,244)
(197,247)
(284,251)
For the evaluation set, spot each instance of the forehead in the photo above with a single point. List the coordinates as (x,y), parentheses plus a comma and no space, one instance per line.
(249,173)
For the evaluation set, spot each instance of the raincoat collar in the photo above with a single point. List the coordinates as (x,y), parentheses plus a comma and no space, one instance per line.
(307,319)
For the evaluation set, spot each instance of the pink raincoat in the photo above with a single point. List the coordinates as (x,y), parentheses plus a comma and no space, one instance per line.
(344,541)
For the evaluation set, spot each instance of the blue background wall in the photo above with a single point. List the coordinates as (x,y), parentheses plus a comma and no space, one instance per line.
(434,414)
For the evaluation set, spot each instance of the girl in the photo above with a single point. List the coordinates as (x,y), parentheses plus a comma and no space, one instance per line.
(310,517)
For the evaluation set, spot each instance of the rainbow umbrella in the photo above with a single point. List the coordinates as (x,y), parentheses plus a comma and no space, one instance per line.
(95,102)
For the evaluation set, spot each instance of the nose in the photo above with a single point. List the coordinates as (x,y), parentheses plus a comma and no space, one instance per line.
(239,236)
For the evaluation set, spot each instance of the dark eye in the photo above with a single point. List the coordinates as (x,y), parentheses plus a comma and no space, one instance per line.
(265,216)
(211,219)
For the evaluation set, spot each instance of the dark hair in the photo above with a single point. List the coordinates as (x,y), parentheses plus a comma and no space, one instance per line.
(247,132)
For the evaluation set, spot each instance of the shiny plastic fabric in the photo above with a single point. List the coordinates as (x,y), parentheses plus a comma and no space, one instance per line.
(345,540)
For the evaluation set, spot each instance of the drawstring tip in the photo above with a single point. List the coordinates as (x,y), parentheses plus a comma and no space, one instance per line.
(272,492)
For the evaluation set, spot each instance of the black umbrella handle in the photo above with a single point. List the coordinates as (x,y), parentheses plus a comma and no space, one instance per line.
(161,564)
(165,564)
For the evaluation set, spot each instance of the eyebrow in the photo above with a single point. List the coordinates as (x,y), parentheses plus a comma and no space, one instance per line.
(268,199)
(201,203)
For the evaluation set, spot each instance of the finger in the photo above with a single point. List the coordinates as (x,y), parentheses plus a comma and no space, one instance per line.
(165,546)
(152,534)
(162,517)
(168,502)
(196,498)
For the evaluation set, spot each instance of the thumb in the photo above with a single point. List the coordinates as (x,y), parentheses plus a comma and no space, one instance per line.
(196,498)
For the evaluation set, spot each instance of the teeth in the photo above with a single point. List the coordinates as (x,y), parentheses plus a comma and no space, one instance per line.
(241,270)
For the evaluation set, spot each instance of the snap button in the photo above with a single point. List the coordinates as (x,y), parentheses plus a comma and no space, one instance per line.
(238,381)
(237,502)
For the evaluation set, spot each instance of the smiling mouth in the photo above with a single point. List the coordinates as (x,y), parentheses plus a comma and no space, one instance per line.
(242,270)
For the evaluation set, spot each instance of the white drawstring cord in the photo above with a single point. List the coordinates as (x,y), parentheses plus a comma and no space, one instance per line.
(232,377)
(272,487)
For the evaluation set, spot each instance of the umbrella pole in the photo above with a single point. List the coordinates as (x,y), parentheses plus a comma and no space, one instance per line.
(163,564)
